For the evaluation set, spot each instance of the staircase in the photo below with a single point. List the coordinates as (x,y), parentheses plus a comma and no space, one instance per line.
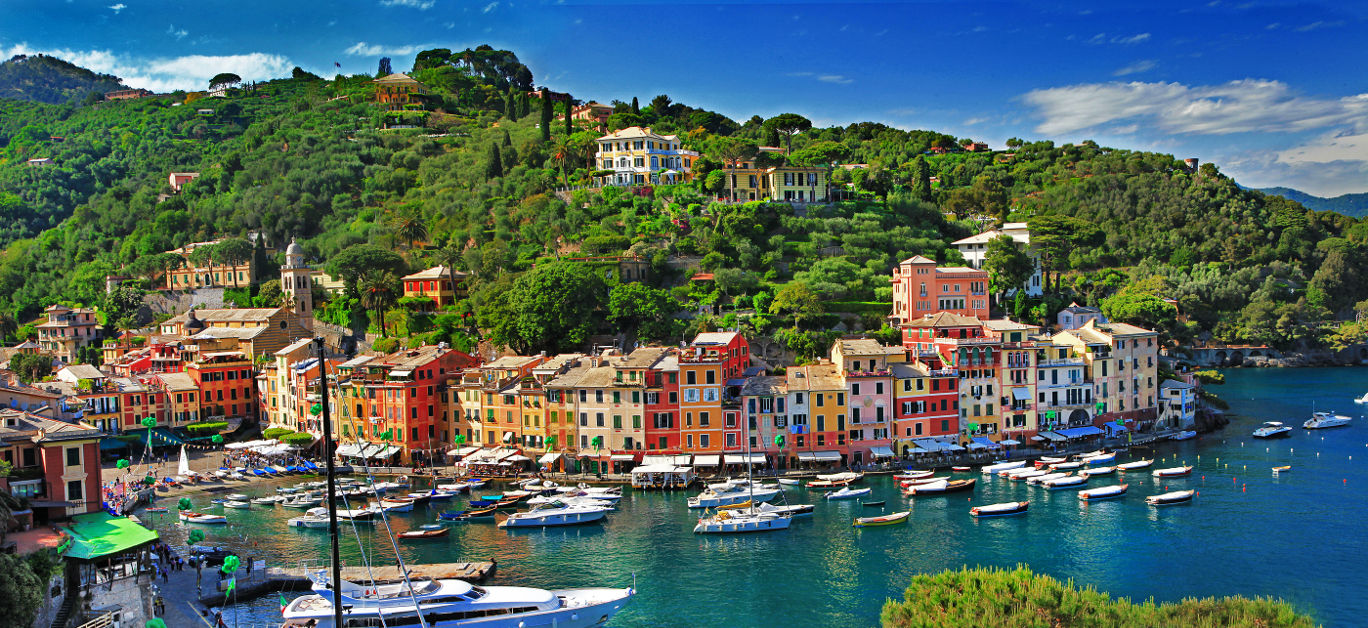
(64,613)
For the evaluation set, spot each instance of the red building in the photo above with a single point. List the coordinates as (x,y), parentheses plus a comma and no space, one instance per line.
(662,406)
(226,384)
(56,464)
(920,287)
(402,394)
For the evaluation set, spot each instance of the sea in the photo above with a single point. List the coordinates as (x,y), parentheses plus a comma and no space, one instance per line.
(1297,535)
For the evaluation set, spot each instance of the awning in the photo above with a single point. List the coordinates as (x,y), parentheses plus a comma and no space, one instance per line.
(681,460)
(380,451)
(881,452)
(517,458)
(549,457)
(1080,432)
(623,457)
(348,451)
(979,440)
(707,461)
(651,460)
(755,459)
(653,468)
(953,447)
(401,373)
(826,456)
(1010,442)
(463,451)
(40,503)
(509,437)
(1112,427)
(1038,438)
(1021,394)
(931,444)
(98,534)
(111,444)
(1053,437)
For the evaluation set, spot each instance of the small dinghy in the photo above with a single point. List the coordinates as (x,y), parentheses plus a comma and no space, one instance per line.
(875,504)
(1105,492)
(849,493)
(961,469)
(1132,466)
(156,509)
(1066,482)
(410,535)
(1172,472)
(196,517)
(912,475)
(1005,509)
(237,504)
(885,520)
(1046,461)
(1097,471)
(1171,498)
(940,488)
(788,482)
(1282,469)
(237,497)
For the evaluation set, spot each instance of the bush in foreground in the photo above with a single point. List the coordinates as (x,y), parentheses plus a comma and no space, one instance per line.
(1019,597)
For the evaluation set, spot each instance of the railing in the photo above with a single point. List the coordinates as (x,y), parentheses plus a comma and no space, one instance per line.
(106,619)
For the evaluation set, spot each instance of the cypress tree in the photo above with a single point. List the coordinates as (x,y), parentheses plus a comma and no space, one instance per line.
(569,125)
(921,179)
(510,109)
(494,165)
(636,107)
(546,116)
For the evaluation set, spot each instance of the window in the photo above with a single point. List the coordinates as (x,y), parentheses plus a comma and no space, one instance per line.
(617,421)
(598,419)
(690,377)
(702,419)
(74,493)
(73,456)
(703,441)
(690,395)
(731,441)
(855,388)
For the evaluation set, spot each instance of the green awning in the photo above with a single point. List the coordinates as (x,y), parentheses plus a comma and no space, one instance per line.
(99,534)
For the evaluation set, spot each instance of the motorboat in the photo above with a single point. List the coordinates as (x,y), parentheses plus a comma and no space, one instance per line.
(454,487)
(1322,420)
(961,469)
(874,504)
(884,520)
(199,517)
(1022,473)
(315,518)
(913,475)
(741,521)
(554,514)
(712,499)
(1097,471)
(1184,435)
(1172,472)
(301,502)
(844,476)
(1170,498)
(237,505)
(155,509)
(1099,459)
(826,485)
(921,481)
(1092,454)
(993,469)
(421,534)
(729,484)
(1272,429)
(395,505)
(940,488)
(1134,465)
(1064,466)
(237,497)
(571,499)
(1283,469)
(1046,461)
(792,510)
(846,492)
(1105,492)
(1363,399)
(788,482)
(1066,482)
(356,514)
(1041,479)
(448,603)
(467,515)
(1005,509)
(614,493)
(288,490)
(267,501)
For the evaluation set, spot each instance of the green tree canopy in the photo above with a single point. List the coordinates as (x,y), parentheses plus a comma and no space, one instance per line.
(224,79)
(360,259)
(797,300)
(552,307)
(1009,268)
(21,591)
(650,310)
(788,124)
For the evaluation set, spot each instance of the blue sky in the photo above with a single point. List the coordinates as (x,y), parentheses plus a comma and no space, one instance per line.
(1275,93)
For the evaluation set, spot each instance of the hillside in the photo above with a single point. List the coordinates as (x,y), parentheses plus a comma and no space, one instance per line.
(41,78)
(470,180)
(1355,205)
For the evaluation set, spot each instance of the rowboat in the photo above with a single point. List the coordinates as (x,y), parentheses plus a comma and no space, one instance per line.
(237,504)
(411,535)
(1170,498)
(237,497)
(1002,466)
(849,493)
(885,520)
(1066,482)
(466,515)
(1061,466)
(1172,472)
(827,484)
(267,501)
(1286,467)
(1005,509)
(913,475)
(1097,471)
(156,509)
(1046,461)
(874,504)
(1131,466)
(947,486)
(1022,473)
(960,469)
(1104,458)
(1042,479)
(921,481)
(196,517)
(1105,492)
(844,476)
(788,482)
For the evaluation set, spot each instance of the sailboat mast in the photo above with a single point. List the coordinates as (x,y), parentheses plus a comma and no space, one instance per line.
(332,484)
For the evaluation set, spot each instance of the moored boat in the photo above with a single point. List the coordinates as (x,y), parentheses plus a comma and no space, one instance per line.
(729,522)
(1097,471)
(467,515)
(1022,473)
(1134,465)
(1272,429)
(1170,498)
(1099,459)
(1046,461)
(913,475)
(1005,509)
(940,488)
(1002,466)
(961,469)
(1172,472)
(844,476)
(1283,469)
(1063,466)
(554,514)
(788,481)
(237,504)
(1323,420)
(199,517)
(1041,479)
(411,535)
(1104,492)
(884,520)
(1184,435)
(826,484)
(1066,482)
(846,492)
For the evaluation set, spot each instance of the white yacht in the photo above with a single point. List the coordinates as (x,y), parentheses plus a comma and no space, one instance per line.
(314,518)
(1272,429)
(1322,420)
(712,499)
(754,517)
(556,513)
(574,500)
(1363,399)
(746,520)
(452,603)
(994,469)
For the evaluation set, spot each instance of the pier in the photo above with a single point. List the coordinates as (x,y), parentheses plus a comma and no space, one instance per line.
(263,581)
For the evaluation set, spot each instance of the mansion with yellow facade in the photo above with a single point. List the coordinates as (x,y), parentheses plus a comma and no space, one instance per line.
(639,156)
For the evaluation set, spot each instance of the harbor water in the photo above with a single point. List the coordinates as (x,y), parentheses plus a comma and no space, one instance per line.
(1295,535)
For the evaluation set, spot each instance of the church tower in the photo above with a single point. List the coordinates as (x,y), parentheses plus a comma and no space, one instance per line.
(296,283)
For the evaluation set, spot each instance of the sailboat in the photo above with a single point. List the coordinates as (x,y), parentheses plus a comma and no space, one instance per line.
(183,472)
(745,519)
(435,603)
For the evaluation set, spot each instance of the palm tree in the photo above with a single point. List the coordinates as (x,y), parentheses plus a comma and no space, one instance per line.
(561,152)
(406,222)
(378,293)
(8,325)
(450,255)
(733,151)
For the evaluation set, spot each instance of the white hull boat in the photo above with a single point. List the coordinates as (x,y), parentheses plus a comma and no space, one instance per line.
(709,499)
(1184,435)
(267,501)
(1002,466)
(1134,465)
(555,514)
(739,522)
(1171,498)
(1272,429)
(1068,482)
(1041,479)
(1172,472)
(1104,492)
(849,493)
(788,482)
(845,476)
(1323,420)
(1023,473)
(195,517)
(237,505)
(1097,471)
(1005,509)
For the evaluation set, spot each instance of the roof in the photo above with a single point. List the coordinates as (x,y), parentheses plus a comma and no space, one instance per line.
(35,428)
(960,270)
(27,344)
(599,377)
(862,346)
(412,358)
(557,362)
(1176,385)
(177,381)
(240,333)
(1075,308)
(636,132)
(357,361)
(398,78)
(511,362)
(815,377)
(436,272)
(571,377)
(794,169)
(905,370)
(1104,332)
(919,259)
(293,347)
(946,319)
(253,314)
(644,357)
(84,371)
(767,385)
(715,338)
(1003,324)
(99,534)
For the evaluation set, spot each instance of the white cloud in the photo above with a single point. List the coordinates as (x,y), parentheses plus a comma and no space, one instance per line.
(177,33)
(421,5)
(1122,40)
(363,49)
(1247,105)
(490,7)
(1302,168)
(835,78)
(190,72)
(118,7)
(1143,65)
(1319,24)
(1328,149)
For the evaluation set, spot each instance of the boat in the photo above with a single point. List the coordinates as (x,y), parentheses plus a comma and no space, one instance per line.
(1046,461)
(1363,399)
(237,476)
(736,506)
(792,510)
(940,488)
(849,493)
(1099,459)
(467,515)
(395,505)
(993,469)
(218,500)
(447,603)
(267,501)
(844,476)
(874,504)
(315,518)
(913,475)
(1105,492)
(1063,466)
(1272,429)
(1322,420)
(1184,435)
(1134,465)
(571,499)
(287,490)
(758,518)
(155,509)
(1276,470)
(199,517)
(885,520)
(1066,482)
(1097,471)
(1005,509)
(237,504)
(301,502)
(961,469)
(1170,498)
(930,480)
(711,499)
(356,514)
(788,482)
(1022,473)
(826,485)
(1172,472)
(1041,479)
(237,497)
(554,514)
(411,535)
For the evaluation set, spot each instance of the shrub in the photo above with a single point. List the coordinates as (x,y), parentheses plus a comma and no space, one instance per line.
(207,426)
(276,432)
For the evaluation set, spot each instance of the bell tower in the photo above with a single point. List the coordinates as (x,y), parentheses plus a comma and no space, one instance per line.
(297,285)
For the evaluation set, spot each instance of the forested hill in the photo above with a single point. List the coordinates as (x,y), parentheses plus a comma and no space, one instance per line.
(1348,204)
(469,176)
(51,80)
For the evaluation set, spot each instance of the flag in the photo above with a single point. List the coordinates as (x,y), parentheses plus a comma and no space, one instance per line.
(283,603)
(232,584)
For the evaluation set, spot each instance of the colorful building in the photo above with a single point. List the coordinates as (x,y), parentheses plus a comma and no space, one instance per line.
(399,91)
(975,250)
(640,156)
(920,287)
(56,464)
(66,331)
(442,285)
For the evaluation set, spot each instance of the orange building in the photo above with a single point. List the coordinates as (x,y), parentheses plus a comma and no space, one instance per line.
(227,385)
(397,91)
(439,283)
(704,368)
(920,287)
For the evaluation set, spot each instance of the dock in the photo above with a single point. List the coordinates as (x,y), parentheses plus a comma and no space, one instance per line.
(268,580)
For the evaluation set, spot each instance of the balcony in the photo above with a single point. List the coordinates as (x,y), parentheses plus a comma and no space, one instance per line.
(1060,362)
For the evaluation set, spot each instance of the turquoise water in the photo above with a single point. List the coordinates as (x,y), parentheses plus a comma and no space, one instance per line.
(1298,536)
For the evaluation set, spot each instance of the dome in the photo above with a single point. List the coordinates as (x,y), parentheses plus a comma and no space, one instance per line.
(294,248)
(193,325)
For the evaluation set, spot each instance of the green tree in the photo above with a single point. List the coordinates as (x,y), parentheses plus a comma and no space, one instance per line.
(31,367)
(546,115)
(406,223)
(8,325)
(921,179)
(379,292)
(493,164)
(224,79)
(384,69)
(121,306)
(1056,237)
(21,591)
(1009,268)
(989,596)
(552,307)
(788,124)
(364,259)
(569,120)
(649,311)
(636,108)
(797,300)
(231,252)
(1144,310)
(733,151)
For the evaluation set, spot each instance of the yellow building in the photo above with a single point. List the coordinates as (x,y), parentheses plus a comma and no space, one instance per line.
(397,91)
(440,284)
(797,184)
(640,156)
